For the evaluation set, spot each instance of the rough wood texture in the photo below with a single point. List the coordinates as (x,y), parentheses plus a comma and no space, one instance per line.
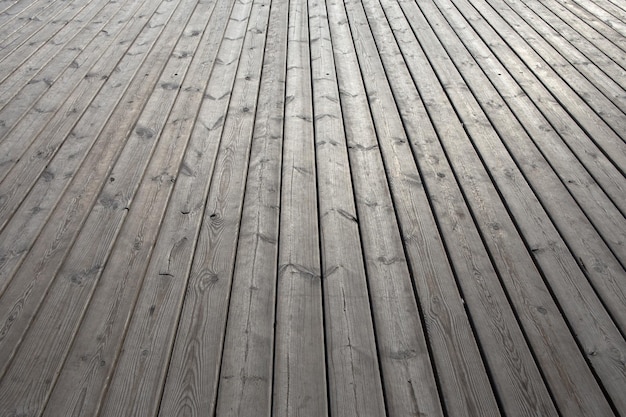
(312,207)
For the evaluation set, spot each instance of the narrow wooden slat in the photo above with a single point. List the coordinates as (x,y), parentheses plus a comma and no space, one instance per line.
(54,16)
(147,348)
(32,165)
(610,42)
(572,386)
(604,11)
(354,381)
(560,268)
(585,80)
(583,110)
(19,236)
(300,385)
(21,13)
(94,352)
(47,107)
(245,384)
(603,245)
(74,282)
(557,31)
(200,335)
(502,341)
(464,383)
(495,56)
(52,37)
(11,8)
(593,28)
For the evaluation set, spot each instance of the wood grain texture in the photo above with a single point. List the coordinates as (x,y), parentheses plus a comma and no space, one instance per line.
(246,373)
(96,345)
(354,381)
(300,382)
(69,293)
(200,333)
(312,207)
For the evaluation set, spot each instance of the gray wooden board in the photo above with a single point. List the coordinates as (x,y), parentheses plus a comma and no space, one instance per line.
(69,293)
(402,350)
(245,385)
(563,273)
(201,327)
(52,212)
(561,32)
(603,239)
(34,163)
(353,369)
(312,207)
(98,339)
(300,382)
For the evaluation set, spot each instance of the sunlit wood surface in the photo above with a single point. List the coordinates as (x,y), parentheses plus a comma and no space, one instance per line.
(312,208)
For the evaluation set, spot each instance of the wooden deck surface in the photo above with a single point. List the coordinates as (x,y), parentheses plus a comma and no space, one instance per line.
(312,208)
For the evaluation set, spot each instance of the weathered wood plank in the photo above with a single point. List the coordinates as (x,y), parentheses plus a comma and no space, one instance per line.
(598,126)
(404,357)
(564,275)
(246,372)
(300,381)
(502,341)
(354,381)
(96,346)
(600,234)
(41,106)
(42,25)
(69,293)
(198,347)
(34,164)
(583,79)
(574,39)
(570,384)
(18,237)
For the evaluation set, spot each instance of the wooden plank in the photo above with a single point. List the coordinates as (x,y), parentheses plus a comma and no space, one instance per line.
(354,381)
(605,12)
(38,102)
(573,386)
(610,42)
(461,376)
(502,341)
(500,55)
(32,165)
(69,294)
(245,384)
(559,268)
(10,8)
(593,28)
(94,352)
(145,354)
(51,38)
(19,14)
(198,347)
(599,129)
(19,236)
(559,31)
(603,245)
(300,381)
(585,80)
(52,16)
